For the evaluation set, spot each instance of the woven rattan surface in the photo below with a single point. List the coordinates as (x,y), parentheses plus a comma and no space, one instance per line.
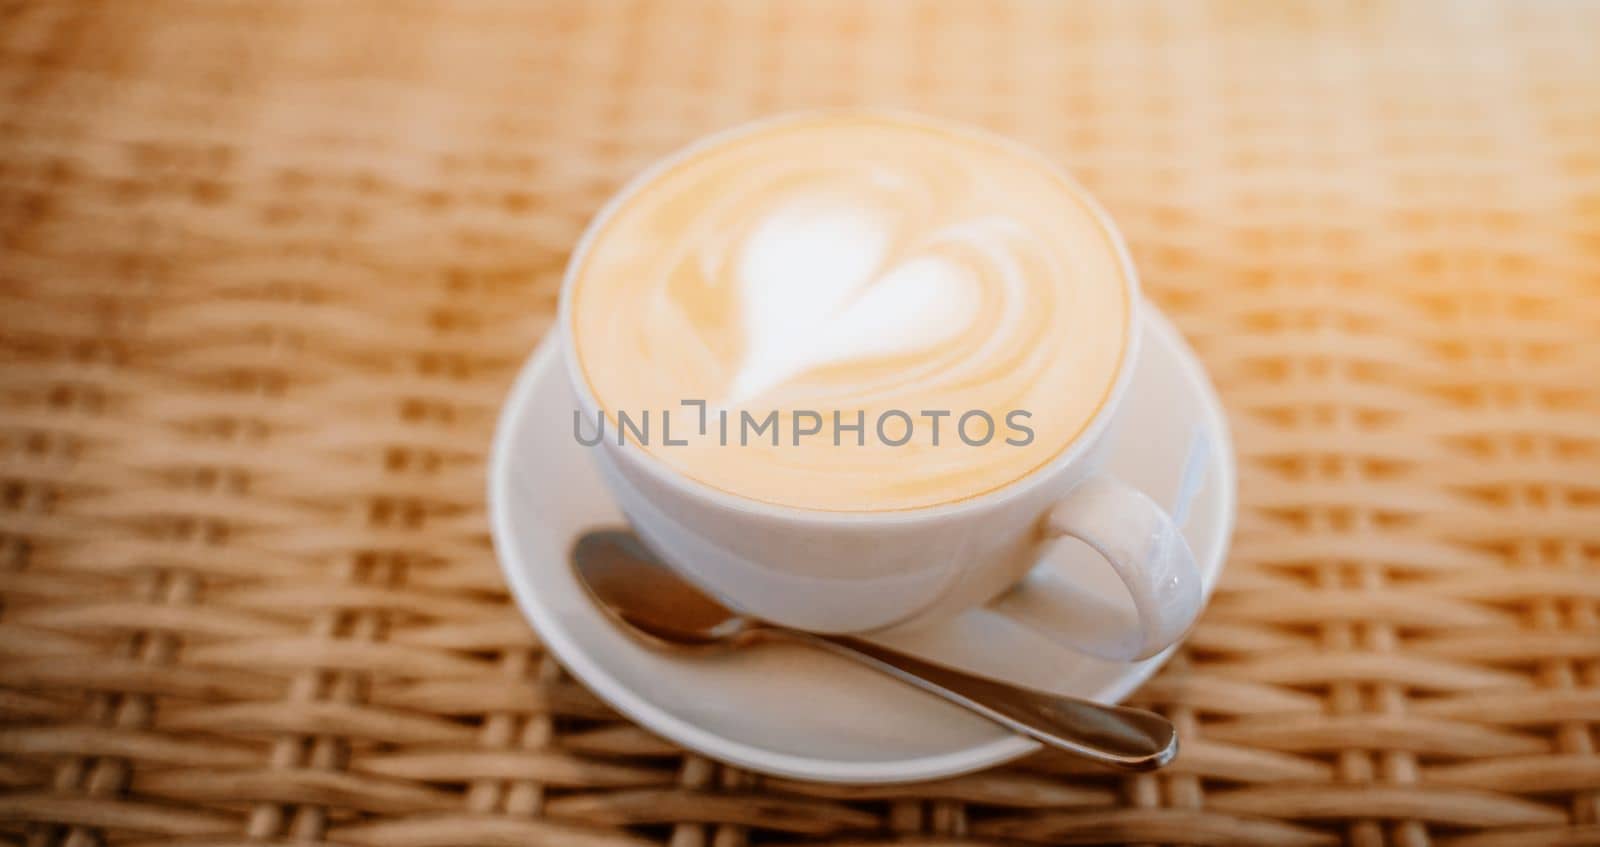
(266,271)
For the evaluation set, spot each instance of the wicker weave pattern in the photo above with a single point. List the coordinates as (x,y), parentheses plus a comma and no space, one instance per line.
(266,271)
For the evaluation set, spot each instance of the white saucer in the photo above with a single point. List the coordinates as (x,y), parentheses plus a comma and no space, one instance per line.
(805,714)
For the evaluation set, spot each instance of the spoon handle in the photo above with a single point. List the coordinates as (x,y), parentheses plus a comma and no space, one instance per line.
(1134,739)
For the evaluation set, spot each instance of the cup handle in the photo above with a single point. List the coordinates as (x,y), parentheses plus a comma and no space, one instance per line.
(1147,552)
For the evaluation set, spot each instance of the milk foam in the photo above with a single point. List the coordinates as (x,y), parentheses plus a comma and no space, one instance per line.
(815,292)
(853,265)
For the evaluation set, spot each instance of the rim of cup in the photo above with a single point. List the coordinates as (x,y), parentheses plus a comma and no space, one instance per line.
(999,496)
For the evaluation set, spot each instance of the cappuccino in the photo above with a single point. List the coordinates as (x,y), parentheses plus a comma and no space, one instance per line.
(850,312)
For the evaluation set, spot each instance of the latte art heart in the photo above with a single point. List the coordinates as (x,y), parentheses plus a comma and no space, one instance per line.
(814,293)
(852,268)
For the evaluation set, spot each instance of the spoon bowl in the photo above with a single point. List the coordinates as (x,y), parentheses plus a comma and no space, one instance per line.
(626,580)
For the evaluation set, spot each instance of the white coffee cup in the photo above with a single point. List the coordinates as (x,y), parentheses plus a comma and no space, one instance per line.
(870,571)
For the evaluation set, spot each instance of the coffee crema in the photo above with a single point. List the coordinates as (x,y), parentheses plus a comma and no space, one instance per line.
(915,278)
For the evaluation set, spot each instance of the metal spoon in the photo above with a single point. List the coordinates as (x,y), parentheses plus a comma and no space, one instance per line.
(635,588)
